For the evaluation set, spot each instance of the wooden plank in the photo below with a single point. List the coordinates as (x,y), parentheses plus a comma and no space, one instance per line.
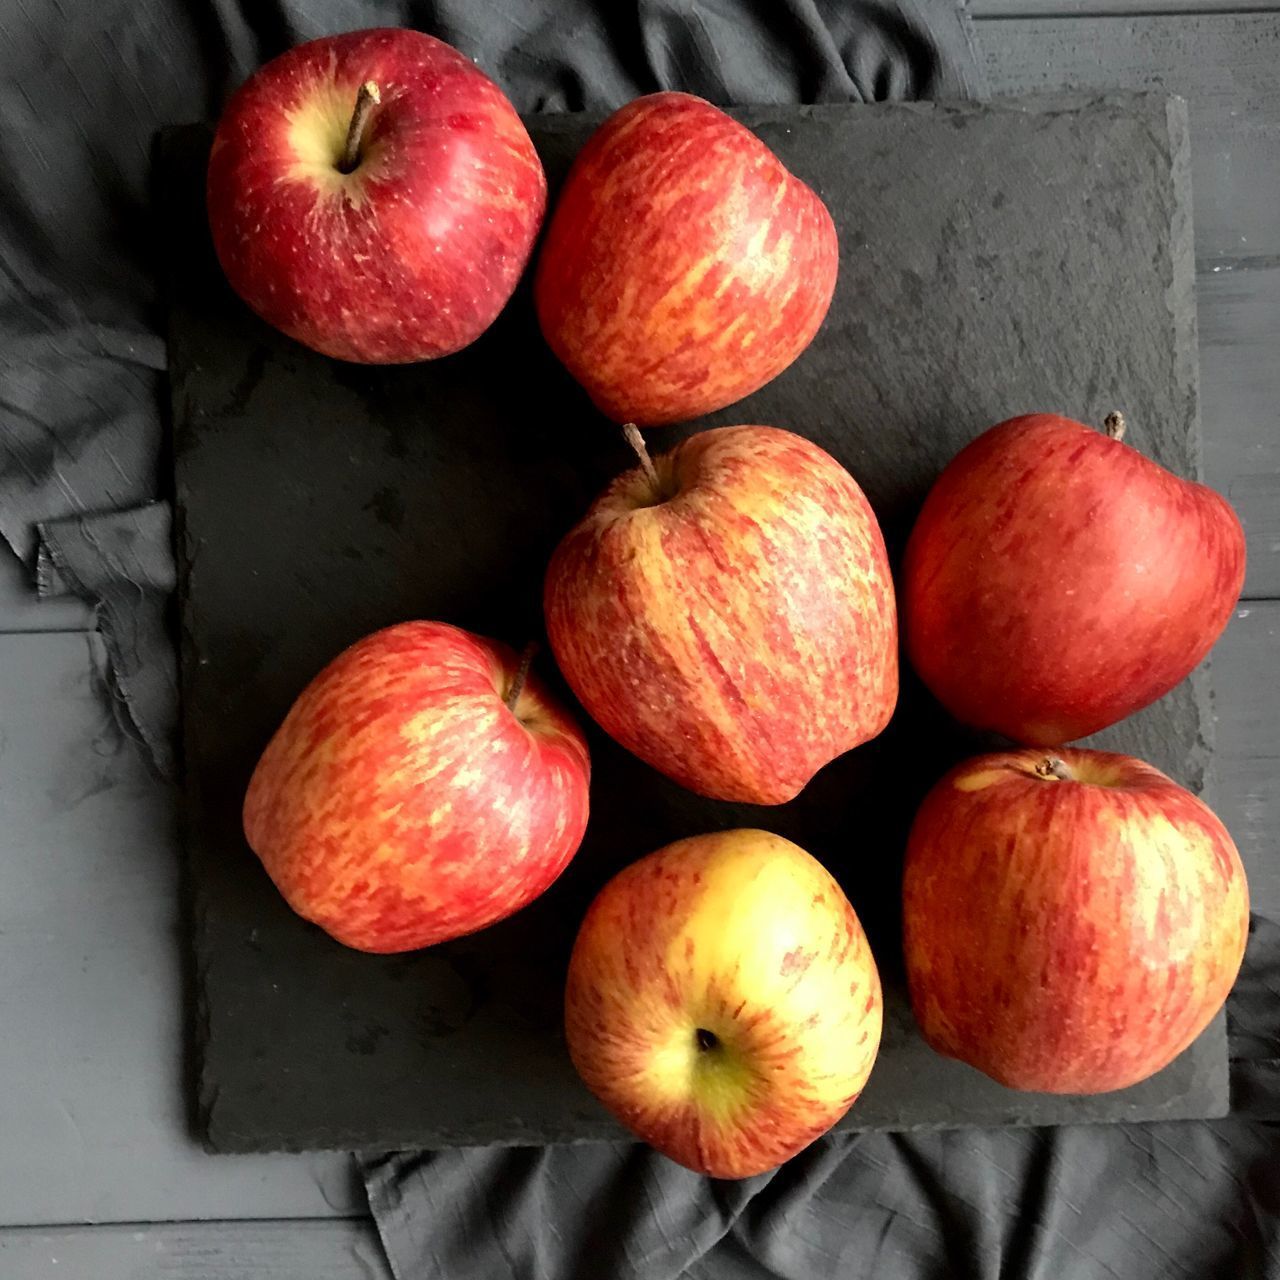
(1247,760)
(1099,8)
(22,610)
(341,1249)
(92,1099)
(1223,64)
(1240,406)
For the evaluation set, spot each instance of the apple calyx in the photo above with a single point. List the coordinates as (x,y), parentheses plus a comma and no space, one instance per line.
(368,97)
(1052,767)
(1114,425)
(522,674)
(706,1040)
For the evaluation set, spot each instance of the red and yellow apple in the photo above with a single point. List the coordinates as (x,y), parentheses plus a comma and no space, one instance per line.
(375,196)
(722,1001)
(726,613)
(684,266)
(1072,922)
(423,785)
(1057,580)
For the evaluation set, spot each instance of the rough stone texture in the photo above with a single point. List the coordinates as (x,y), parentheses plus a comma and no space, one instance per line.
(994,260)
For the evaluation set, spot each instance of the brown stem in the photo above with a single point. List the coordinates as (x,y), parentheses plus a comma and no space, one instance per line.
(1114,424)
(522,674)
(368,98)
(636,441)
(1053,767)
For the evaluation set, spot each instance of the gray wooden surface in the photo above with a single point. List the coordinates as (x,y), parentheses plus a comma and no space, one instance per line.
(89,951)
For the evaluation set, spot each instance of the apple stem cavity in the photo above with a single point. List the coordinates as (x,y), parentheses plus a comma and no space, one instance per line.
(1114,425)
(368,97)
(636,441)
(522,674)
(1053,767)
(706,1040)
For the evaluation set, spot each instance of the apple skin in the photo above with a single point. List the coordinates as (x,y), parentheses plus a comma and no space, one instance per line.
(1069,936)
(744,935)
(1056,580)
(401,803)
(414,253)
(741,633)
(683,266)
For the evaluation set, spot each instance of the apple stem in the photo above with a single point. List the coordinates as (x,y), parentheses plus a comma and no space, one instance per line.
(636,441)
(366,99)
(1053,767)
(1115,424)
(522,674)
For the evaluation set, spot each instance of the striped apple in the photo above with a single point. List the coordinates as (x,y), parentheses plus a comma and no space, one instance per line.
(423,785)
(726,612)
(1072,921)
(683,266)
(374,196)
(722,1001)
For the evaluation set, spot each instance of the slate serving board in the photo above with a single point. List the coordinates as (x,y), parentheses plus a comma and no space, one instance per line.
(994,259)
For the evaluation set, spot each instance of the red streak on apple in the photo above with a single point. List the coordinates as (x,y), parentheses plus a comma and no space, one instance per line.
(683,266)
(733,623)
(413,253)
(402,802)
(1073,933)
(1057,580)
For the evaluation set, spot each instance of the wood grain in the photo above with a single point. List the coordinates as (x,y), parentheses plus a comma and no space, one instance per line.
(92,1110)
(1247,759)
(1223,64)
(1099,8)
(1240,406)
(343,1249)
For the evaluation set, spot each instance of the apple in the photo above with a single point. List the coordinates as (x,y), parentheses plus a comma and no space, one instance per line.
(684,266)
(726,612)
(423,786)
(1056,580)
(1072,922)
(722,1001)
(375,196)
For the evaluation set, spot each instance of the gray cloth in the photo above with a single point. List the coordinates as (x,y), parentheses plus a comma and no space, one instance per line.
(1174,1201)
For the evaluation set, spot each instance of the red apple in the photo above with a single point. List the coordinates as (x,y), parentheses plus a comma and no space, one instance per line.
(1057,580)
(722,1001)
(683,266)
(375,196)
(419,789)
(726,613)
(1072,922)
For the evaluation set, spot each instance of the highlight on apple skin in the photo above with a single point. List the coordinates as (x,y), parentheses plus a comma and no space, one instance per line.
(728,614)
(683,266)
(375,196)
(424,785)
(722,1001)
(1057,580)
(1072,920)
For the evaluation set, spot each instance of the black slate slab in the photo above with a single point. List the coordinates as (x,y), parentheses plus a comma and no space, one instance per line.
(994,260)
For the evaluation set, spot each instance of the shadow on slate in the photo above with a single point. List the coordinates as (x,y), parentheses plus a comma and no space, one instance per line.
(994,260)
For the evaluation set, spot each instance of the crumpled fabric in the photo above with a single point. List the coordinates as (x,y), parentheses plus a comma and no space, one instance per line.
(1185,1200)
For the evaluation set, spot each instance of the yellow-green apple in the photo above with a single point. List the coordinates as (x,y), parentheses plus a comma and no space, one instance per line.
(1057,580)
(726,613)
(423,785)
(1071,921)
(375,196)
(683,266)
(722,1001)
